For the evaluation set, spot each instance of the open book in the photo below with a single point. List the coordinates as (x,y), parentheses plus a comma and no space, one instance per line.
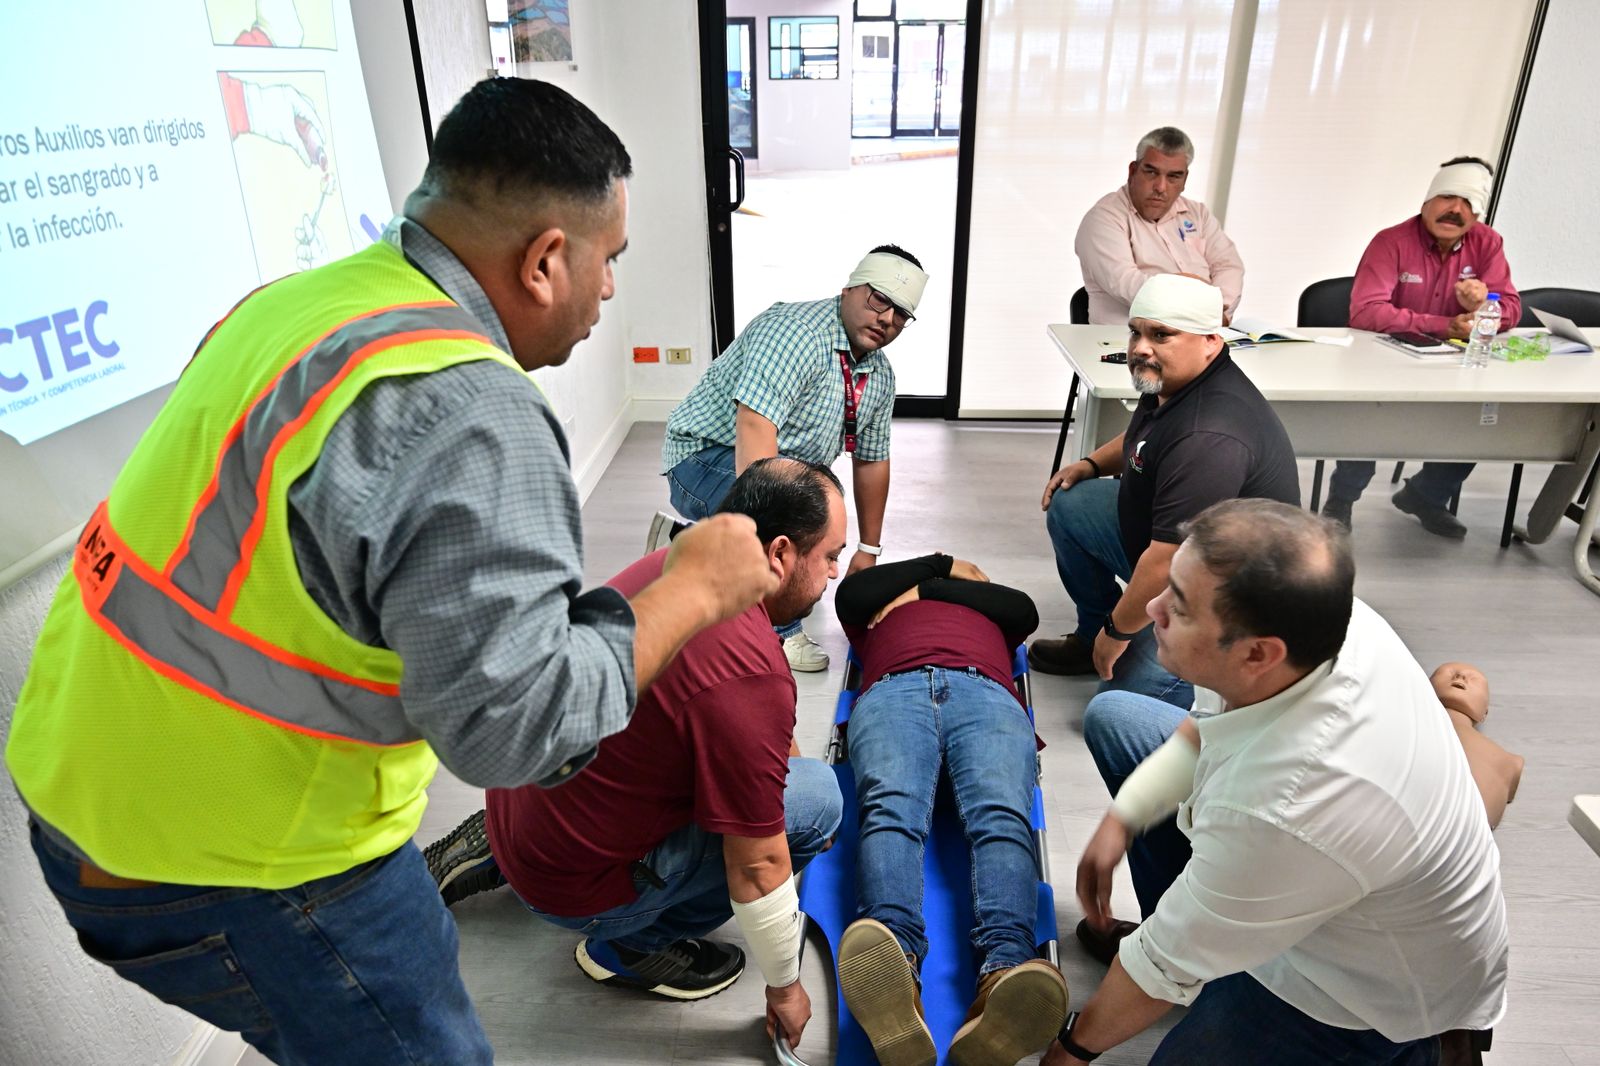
(1249,332)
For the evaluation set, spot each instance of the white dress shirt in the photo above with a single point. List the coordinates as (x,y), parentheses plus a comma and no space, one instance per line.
(1117,250)
(1342,854)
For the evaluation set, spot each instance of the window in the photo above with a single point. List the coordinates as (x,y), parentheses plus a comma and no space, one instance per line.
(875,47)
(803,47)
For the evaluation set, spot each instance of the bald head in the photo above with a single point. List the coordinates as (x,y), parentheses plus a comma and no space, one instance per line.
(1281,572)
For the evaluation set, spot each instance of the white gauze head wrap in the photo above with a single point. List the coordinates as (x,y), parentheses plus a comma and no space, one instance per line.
(1185,304)
(1470,181)
(898,279)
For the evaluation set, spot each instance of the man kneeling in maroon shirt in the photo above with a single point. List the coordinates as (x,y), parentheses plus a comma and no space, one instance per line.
(696,811)
(935,639)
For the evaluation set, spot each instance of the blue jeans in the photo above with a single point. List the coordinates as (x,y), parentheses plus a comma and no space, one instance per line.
(698,485)
(900,729)
(1237,1022)
(689,861)
(357,967)
(1089,557)
(1121,729)
(1435,482)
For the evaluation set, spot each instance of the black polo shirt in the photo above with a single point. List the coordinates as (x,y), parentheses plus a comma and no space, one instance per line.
(1216,439)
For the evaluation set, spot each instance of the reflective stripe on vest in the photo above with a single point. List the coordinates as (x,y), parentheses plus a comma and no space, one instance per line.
(186,643)
(213,559)
(176,622)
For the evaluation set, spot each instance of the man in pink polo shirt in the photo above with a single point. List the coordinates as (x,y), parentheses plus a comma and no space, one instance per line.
(1148,227)
(1429,274)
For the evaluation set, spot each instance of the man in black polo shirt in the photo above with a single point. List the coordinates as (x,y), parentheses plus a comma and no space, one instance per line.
(1201,433)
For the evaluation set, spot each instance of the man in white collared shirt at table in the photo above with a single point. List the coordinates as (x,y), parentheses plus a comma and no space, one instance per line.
(1342,902)
(1148,227)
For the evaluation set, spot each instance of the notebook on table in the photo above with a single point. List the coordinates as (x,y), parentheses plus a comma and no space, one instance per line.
(1421,345)
(1565,336)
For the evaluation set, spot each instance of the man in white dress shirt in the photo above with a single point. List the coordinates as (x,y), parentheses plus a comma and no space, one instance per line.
(1148,227)
(1342,902)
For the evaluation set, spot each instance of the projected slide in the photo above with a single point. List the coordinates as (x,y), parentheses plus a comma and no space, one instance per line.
(202,149)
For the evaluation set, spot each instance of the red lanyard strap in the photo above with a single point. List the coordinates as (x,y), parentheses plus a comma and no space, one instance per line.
(852,400)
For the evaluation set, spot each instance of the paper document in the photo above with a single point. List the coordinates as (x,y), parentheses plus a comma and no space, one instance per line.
(1565,337)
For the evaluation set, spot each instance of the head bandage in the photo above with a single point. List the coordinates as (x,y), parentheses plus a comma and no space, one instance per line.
(1185,304)
(1470,181)
(898,279)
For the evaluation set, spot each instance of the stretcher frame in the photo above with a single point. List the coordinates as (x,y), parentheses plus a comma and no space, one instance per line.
(950,970)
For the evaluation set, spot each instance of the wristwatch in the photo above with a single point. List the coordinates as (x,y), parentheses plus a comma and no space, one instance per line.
(870,549)
(1116,634)
(1071,1046)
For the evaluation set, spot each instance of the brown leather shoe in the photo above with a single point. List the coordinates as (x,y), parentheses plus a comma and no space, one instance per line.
(1102,946)
(880,988)
(1015,1013)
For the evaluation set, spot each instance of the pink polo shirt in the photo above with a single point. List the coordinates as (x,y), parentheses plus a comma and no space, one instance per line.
(1118,250)
(1404,283)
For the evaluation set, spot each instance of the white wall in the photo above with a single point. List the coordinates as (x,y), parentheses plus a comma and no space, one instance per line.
(802,124)
(637,66)
(1547,211)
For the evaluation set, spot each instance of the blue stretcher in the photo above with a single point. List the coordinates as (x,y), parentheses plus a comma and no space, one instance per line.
(950,972)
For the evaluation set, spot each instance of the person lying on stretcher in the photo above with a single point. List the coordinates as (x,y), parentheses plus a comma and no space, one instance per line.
(935,640)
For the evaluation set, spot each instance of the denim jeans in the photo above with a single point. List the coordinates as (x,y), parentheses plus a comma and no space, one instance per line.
(357,967)
(1237,1022)
(689,861)
(900,729)
(1089,557)
(1121,729)
(698,485)
(1435,482)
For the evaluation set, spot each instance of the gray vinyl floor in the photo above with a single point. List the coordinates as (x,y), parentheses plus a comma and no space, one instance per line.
(972,489)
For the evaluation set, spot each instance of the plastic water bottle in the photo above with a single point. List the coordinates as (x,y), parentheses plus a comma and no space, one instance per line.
(1485,324)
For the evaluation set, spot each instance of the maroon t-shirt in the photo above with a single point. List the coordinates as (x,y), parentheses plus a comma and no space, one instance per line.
(708,745)
(932,633)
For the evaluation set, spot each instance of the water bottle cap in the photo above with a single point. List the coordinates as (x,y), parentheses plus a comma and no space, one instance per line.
(1494,296)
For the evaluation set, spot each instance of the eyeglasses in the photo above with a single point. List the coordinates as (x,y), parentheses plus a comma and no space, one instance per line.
(879,303)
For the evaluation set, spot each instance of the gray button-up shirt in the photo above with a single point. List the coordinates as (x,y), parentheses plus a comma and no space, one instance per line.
(441,522)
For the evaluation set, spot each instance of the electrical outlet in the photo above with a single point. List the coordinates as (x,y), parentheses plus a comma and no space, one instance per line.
(677,355)
(647,355)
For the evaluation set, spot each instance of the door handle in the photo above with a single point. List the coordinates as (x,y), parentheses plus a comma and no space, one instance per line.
(738,179)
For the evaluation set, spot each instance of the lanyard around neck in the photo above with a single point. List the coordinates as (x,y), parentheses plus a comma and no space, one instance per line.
(852,400)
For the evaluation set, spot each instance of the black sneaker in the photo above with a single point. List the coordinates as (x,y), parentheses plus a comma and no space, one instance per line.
(1068,657)
(1338,511)
(689,969)
(1435,519)
(461,864)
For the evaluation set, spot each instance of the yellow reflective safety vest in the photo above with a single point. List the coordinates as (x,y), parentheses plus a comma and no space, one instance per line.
(190,714)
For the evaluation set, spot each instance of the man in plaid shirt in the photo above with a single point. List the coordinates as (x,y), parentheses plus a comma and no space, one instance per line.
(808,381)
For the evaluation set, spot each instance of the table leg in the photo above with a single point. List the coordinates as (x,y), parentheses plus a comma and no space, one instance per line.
(1511,505)
(1563,483)
(1316,487)
(1066,423)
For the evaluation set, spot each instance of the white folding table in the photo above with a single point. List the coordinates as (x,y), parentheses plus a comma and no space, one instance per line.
(1373,401)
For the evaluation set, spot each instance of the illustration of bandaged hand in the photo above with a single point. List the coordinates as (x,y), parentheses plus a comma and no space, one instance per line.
(286,116)
(310,249)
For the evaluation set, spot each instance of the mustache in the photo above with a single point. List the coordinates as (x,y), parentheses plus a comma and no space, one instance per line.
(1452,218)
(1136,363)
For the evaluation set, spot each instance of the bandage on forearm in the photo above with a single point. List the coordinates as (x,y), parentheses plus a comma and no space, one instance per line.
(771,928)
(1157,785)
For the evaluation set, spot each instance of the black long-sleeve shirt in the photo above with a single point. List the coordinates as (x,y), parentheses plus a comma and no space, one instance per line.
(953,623)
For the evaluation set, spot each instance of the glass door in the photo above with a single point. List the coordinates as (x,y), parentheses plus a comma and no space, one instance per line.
(742,86)
(952,55)
(916,79)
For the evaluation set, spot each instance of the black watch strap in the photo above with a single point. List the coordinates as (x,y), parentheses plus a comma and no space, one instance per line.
(1071,1046)
(1116,634)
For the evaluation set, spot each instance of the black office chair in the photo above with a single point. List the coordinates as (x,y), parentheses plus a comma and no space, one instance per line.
(1078,315)
(1324,303)
(1580,305)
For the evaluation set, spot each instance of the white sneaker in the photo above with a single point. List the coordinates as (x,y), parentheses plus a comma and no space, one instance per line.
(805,654)
(663,527)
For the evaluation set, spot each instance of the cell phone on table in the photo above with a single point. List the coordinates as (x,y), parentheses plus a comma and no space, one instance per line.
(1114,357)
(1418,340)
